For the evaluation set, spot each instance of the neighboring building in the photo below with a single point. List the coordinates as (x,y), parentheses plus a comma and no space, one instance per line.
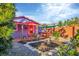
(24,27)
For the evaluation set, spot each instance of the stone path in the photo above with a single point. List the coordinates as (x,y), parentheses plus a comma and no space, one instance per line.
(19,49)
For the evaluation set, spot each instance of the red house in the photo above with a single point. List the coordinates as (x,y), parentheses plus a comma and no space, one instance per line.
(25,25)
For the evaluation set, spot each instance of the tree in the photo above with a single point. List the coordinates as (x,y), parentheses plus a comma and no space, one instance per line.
(7,13)
(76,20)
(60,23)
(72,21)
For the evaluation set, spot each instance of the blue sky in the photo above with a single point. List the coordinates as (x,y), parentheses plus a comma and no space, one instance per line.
(48,12)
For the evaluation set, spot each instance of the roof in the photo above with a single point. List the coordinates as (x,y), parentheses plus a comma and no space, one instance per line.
(23,19)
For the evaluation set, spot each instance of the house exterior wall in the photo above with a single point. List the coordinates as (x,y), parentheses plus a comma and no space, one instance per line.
(31,27)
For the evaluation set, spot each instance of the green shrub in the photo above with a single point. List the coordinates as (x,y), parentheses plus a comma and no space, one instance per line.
(67,50)
(7,13)
(56,34)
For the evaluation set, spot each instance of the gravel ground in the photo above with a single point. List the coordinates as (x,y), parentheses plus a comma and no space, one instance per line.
(19,49)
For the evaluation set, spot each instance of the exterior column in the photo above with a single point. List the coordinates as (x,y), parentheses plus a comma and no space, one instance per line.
(16,27)
(36,29)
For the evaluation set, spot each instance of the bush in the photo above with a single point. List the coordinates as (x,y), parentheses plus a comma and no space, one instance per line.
(7,13)
(67,50)
(56,34)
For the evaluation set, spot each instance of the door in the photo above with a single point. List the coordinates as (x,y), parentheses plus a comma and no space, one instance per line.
(30,29)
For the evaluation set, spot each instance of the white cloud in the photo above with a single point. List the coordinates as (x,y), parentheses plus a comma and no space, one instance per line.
(57,11)
(53,9)
(19,13)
